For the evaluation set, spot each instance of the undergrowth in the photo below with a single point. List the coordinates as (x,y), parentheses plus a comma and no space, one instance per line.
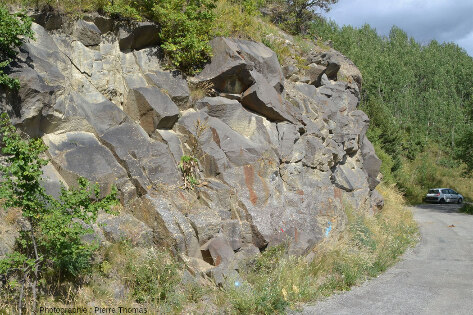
(467,208)
(272,283)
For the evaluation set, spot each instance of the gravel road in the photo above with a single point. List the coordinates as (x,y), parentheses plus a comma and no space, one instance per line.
(436,277)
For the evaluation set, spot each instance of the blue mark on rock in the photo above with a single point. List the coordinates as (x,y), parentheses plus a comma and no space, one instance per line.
(237,283)
(328,229)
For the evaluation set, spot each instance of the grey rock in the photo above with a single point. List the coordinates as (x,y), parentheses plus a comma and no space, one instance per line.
(196,266)
(232,229)
(151,108)
(228,71)
(348,178)
(377,201)
(232,62)
(9,231)
(138,35)
(289,70)
(171,228)
(324,80)
(172,84)
(371,163)
(125,227)
(264,99)
(220,250)
(148,162)
(80,154)
(226,277)
(87,32)
(306,89)
(206,222)
(48,18)
(315,72)
(52,181)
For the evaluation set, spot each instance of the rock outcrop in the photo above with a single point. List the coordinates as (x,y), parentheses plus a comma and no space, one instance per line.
(278,159)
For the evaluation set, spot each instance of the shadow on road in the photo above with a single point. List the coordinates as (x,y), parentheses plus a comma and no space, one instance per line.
(445,208)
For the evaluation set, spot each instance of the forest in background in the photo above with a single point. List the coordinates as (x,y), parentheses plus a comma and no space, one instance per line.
(419,98)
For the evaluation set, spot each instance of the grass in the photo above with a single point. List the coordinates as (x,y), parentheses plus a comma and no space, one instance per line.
(467,208)
(366,248)
(272,283)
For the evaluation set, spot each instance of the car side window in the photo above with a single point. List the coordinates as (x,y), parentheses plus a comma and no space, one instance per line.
(445,191)
(453,192)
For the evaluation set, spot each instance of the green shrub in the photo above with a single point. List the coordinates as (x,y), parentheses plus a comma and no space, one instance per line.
(14,29)
(52,241)
(467,208)
(185,31)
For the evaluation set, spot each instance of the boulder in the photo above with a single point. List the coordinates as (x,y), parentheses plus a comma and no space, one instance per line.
(371,163)
(148,162)
(377,201)
(80,154)
(315,72)
(125,227)
(171,83)
(138,35)
(348,178)
(151,108)
(48,18)
(263,99)
(171,228)
(232,62)
(52,181)
(196,266)
(228,70)
(87,33)
(220,250)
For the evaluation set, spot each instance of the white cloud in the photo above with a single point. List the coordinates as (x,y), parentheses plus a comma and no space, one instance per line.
(443,20)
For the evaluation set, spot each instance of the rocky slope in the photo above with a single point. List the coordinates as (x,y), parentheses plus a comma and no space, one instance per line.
(280,153)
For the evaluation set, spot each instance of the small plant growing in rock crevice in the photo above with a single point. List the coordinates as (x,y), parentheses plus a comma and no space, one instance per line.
(188,167)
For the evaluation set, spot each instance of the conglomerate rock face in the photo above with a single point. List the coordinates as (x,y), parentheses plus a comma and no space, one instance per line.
(278,159)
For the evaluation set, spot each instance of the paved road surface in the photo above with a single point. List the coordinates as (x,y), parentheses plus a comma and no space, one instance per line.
(436,277)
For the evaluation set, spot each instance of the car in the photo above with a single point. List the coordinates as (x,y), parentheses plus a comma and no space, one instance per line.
(443,195)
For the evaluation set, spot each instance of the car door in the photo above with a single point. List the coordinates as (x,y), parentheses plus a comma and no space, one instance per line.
(446,195)
(454,195)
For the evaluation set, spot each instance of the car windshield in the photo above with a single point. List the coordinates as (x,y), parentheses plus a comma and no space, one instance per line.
(433,191)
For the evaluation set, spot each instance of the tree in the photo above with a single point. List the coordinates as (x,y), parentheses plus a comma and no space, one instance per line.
(295,15)
(14,30)
(52,239)
(465,148)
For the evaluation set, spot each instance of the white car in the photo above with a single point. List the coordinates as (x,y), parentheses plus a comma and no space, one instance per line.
(443,195)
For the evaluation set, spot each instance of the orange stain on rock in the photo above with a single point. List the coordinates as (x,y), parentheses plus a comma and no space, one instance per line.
(250,180)
(215,136)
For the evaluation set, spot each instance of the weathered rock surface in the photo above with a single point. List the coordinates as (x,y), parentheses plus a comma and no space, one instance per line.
(86,32)
(277,160)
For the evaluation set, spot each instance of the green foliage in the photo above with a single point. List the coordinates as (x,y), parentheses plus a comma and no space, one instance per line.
(14,29)
(154,277)
(295,16)
(185,27)
(413,100)
(53,239)
(467,208)
(122,9)
(185,31)
(464,150)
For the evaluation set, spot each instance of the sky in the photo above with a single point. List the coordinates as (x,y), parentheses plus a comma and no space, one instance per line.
(425,20)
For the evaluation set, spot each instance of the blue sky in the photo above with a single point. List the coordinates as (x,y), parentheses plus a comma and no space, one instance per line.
(443,20)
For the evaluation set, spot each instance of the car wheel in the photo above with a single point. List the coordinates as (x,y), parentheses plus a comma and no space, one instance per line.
(460,200)
(442,200)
